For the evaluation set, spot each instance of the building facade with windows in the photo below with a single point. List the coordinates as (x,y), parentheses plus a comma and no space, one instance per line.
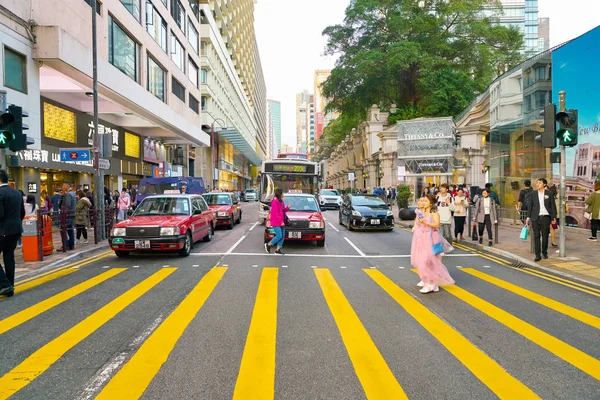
(522,14)
(275,126)
(303,120)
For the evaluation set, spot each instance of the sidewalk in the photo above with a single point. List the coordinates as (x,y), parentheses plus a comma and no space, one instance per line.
(582,256)
(81,251)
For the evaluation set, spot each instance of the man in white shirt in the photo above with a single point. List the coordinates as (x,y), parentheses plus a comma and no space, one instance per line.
(541,211)
(444,199)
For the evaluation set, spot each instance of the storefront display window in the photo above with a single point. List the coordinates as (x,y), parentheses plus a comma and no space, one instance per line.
(132,145)
(59,124)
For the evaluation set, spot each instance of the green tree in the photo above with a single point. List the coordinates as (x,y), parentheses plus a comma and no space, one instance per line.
(429,57)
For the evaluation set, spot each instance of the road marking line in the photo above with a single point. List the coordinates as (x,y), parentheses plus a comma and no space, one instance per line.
(488,371)
(313,266)
(135,376)
(401,267)
(166,266)
(78,264)
(114,364)
(374,374)
(42,359)
(256,378)
(336,229)
(356,248)
(37,282)
(284,266)
(254,266)
(323,255)
(31,312)
(486,266)
(136,266)
(561,281)
(569,311)
(372,267)
(343,267)
(75,267)
(235,245)
(253,226)
(570,354)
(106,267)
(458,266)
(195,266)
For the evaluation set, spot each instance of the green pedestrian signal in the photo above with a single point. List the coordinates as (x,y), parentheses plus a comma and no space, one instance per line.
(568,131)
(5,138)
(6,135)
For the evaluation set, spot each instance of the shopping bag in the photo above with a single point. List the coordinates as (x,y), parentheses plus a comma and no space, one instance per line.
(438,247)
(524,233)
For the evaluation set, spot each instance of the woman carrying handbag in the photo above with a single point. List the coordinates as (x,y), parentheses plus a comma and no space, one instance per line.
(428,247)
(593,211)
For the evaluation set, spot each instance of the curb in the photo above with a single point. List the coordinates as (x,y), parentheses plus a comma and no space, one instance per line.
(515,258)
(66,260)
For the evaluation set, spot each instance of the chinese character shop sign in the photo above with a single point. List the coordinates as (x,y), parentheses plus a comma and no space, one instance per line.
(45,157)
(104,130)
(32,187)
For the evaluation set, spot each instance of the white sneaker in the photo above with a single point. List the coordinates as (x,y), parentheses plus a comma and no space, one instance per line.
(78,242)
(421,284)
(85,241)
(430,288)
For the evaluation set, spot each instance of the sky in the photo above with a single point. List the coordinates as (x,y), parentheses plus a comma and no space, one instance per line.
(291,45)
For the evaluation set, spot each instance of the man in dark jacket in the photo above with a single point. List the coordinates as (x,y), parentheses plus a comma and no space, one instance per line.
(69,201)
(12,212)
(541,211)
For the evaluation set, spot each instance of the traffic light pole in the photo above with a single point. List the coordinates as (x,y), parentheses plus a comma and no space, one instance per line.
(3,108)
(98,175)
(562,198)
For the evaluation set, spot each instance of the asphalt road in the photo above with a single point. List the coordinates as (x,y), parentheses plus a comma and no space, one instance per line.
(345,321)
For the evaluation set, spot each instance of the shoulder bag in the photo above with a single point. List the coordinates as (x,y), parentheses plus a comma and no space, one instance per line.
(437,248)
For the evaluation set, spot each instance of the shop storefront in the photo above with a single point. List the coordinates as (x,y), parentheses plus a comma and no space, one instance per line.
(426,152)
(37,170)
(234,169)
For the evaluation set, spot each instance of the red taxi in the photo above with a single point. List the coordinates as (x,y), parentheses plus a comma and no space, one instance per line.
(164,223)
(226,207)
(306,220)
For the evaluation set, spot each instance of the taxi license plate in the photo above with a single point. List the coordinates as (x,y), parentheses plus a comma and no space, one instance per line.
(295,235)
(142,244)
(375,222)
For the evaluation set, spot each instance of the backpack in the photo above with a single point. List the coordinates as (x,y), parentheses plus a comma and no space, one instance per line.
(526,199)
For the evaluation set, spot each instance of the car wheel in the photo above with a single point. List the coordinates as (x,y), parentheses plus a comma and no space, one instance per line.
(209,235)
(231,223)
(187,246)
(321,243)
(122,254)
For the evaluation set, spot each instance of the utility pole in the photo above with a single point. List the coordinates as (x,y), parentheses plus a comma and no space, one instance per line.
(3,108)
(562,198)
(98,175)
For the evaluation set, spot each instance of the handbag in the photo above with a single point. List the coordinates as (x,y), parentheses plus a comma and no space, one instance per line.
(437,248)
(286,220)
(587,215)
(524,233)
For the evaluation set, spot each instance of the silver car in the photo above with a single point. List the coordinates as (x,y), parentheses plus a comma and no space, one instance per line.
(251,195)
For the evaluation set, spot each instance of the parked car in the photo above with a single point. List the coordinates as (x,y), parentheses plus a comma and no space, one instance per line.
(251,195)
(164,223)
(306,220)
(226,208)
(330,198)
(365,211)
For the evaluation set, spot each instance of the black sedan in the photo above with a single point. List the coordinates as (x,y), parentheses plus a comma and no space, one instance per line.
(365,211)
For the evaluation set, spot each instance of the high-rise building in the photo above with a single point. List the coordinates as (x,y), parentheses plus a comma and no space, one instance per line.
(319,100)
(522,14)
(260,106)
(275,124)
(544,32)
(302,121)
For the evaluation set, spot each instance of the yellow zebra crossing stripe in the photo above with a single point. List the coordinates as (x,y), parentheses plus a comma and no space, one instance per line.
(41,280)
(45,305)
(135,376)
(569,311)
(374,374)
(568,353)
(488,371)
(256,379)
(42,359)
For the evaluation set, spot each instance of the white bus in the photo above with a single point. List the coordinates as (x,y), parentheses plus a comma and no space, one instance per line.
(291,175)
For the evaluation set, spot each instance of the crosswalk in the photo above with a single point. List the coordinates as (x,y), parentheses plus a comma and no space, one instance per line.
(256,376)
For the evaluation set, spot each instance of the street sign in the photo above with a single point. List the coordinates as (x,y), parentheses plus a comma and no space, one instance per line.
(103,163)
(73,155)
(350,176)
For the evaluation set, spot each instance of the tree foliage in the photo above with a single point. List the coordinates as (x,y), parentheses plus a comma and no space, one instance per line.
(429,57)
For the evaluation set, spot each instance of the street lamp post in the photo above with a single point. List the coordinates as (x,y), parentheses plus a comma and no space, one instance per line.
(98,175)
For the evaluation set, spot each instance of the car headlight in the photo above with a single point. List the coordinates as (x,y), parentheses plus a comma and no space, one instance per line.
(339,201)
(390,214)
(222,214)
(169,231)
(117,232)
(316,225)
(356,213)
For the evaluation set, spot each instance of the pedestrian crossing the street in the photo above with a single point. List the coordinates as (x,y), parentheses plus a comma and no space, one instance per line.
(256,375)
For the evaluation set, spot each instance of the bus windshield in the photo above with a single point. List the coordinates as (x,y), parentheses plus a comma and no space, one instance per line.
(289,183)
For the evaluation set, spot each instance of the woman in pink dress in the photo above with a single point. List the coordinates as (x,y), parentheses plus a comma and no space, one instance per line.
(425,233)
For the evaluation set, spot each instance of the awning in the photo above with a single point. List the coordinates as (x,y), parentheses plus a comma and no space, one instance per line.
(235,138)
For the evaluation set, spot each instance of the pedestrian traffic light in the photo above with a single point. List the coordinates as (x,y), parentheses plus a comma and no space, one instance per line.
(6,134)
(549,133)
(568,128)
(19,141)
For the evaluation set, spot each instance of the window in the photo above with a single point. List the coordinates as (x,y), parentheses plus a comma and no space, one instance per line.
(133,6)
(98,5)
(156,79)
(527,104)
(203,76)
(194,105)
(156,25)
(195,6)
(178,14)
(540,99)
(192,35)
(177,53)
(203,48)
(204,102)
(178,89)
(540,73)
(15,70)
(193,72)
(122,50)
